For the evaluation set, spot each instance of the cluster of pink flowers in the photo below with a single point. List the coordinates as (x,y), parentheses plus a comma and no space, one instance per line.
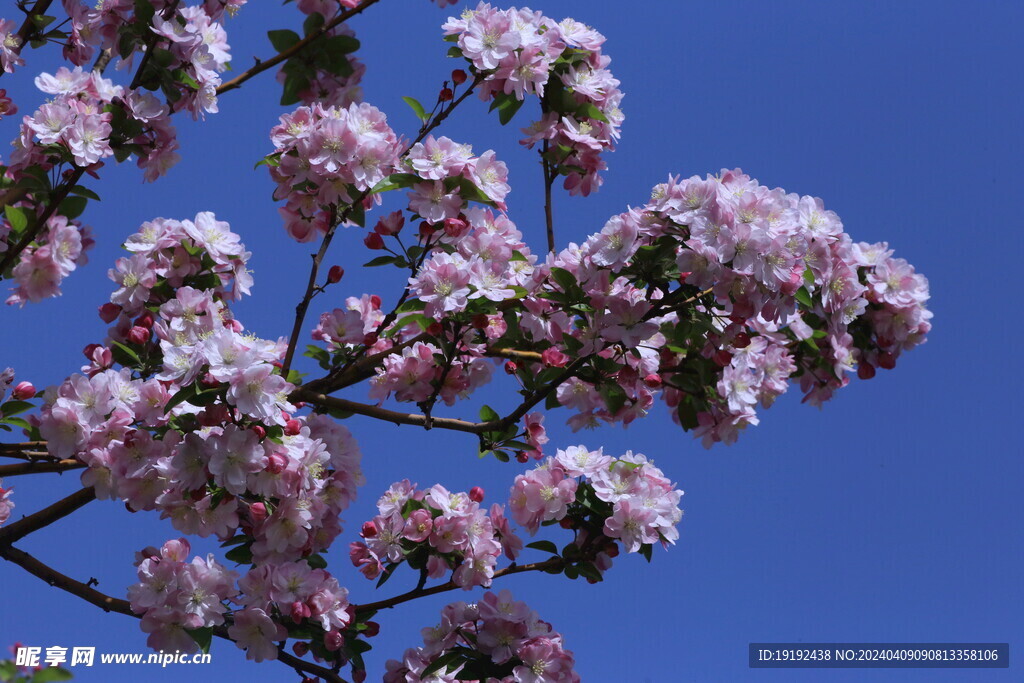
(234,460)
(42,268)
(435,531)
(7,107)
(174,595)
(75,125)
(344,328)
(293,591)
(413,374)
(642,504)
(193,42)
(324,156)
(521,52)
(517,645)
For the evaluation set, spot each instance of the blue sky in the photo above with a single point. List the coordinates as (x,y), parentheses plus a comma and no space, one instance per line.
(892,515)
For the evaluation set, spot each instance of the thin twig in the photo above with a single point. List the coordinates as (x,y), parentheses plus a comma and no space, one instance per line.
(28,26)
(264,64)
(39,467)
(62,508)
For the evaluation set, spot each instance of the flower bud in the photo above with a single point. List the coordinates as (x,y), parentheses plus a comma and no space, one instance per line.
(300,611)
(653,380)
(553,358)
(370,339)
(521,456)
(300,648)
(138,335)
(455,227)
(145,320)
(722,358)
(886,360)
(292,427)
(23,391)
(259,431)
(258,512)
(741,340)
(511,367)
(373,241)
(445,95)
(458,77)
(276,463)
(334,274)
(334,641)
(476,494)
(372,629)
(109,312)
(390,224)
(426,229)
(369,530)
(865,370)
(565,523)
(435,329)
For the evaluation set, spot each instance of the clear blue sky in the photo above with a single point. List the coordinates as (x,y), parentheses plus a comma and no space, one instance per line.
(892,515)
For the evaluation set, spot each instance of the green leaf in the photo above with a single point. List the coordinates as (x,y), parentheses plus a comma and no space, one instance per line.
(417,108)
(283,39)
(544,547)
(313,23)
(489,414)
(588,110)
(384,261)
(241,554)
(80,191)
(589,571)
(128,354)
(180,397)
(339,45)
(52,673)
(16,421)
(804,297)
(202,636)
(446,661)
(645,550)
(396,181)
(16,217)
(316,562)
(506,113)
(12,408)
(469,191)
(388,571)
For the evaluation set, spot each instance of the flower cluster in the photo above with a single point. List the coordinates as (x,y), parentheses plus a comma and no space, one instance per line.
(42,268)
(174,595)
(435,531)
(186,59)
(515,644)
(292,591)
(78,126)
(627,499)
(520,52)
(324,157)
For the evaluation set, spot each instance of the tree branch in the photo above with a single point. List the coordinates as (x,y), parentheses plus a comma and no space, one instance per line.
(39,467)
(550,563)
(263,65)
(40,223)
(65,583)
(28,450)
(28,26)
(37,520)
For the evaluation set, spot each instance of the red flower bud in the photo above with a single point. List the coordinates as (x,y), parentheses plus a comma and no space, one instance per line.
(653,380)
(565,523)
(334,274)
(480,321)
(109,312)
(258,512)
(292,427)
(722,357)
(23,391)
(553,358)
(435,329)
(886,360)
(138,335)
(300,649)
(865,370)
(276,463)
(369,530)
(370,339)
(145,320)
(446,95)
(372,629)
(373,241)
(511,367)
(458,77)
(741,340)
(521,456)
(334,641)
(358,675)
(299,611)
(455,227)
(426,229)
(259,431)
(611,550)
(476,494)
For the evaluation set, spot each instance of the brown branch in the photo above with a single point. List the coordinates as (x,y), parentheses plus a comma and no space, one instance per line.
(263,65)
(65,583)
(37,520)
(514,354)
(27,450)
(39,467)
(166,14)
(550,563)
(391,415)
(549,180)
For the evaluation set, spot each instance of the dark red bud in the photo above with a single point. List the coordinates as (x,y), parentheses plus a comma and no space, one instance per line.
(446,95)
(259,431)
(292,427)
(865,370)
(23,391)
(653,380)
(521,456)
(372,629)
(109,312)
(886,360)
(138,335)
(435,329)
(476,494)
(373,241)
(741,340)
(565,523)
(458,77)
(334,274)
(300,649)
(511,367)
(369,530)
(722,357)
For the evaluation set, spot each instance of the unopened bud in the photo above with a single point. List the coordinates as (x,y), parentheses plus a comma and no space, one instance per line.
(334,641)
(23,391)
(276,463)
(372,629)
(138,335)
(741,340)
(886,360)
(369,530)
(300,648)
(865,370)
(373,241)
(300,611)
(458,77)
(335,274)
(653,380)
(292,427)
(476,494)
(511,367)
(258,512)
(445,95)
(109,312)
(259,431)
